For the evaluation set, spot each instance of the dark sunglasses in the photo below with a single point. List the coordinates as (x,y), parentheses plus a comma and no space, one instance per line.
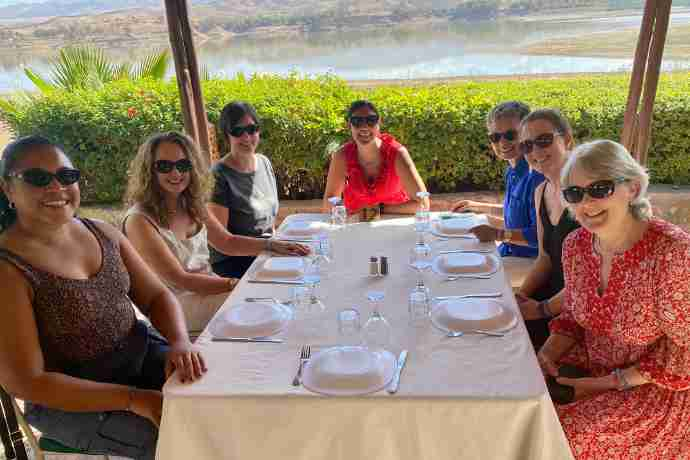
(369,120)
(542,141)
(41,178)
(597,190)
(509,135)
(237,131)
(166,166)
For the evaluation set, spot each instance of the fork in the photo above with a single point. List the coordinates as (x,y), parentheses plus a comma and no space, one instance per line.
(488,295)
(304,355)
(462,277)
(452,334)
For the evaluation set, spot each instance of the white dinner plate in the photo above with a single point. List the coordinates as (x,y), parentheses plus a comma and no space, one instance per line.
(466,315)
(492,260)
(471,221)
(348,371)
(251,319)
(279,269)
(298,229)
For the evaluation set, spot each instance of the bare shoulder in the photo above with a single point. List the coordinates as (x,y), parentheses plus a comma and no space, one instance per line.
(15,281)
(108,230)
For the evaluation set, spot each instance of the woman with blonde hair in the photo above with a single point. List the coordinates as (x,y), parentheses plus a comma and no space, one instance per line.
(168,224)
(625,317)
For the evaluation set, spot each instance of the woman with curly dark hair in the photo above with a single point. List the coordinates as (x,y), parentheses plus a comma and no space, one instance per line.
(168,224)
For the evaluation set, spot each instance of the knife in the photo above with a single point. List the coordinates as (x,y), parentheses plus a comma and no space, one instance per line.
(296,282)
(246,339)
(395,383)
(476,251)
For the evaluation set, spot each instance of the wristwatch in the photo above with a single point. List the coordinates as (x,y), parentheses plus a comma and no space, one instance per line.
(623,383)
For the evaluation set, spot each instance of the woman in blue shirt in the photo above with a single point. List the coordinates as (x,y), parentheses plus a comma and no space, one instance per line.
(518,227)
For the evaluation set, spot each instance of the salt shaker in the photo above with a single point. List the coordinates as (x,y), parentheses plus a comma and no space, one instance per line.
(373,266)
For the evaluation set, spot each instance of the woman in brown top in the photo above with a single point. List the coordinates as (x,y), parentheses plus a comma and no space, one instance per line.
(70,343)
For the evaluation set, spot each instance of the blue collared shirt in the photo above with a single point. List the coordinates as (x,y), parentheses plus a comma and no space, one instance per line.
(519,210)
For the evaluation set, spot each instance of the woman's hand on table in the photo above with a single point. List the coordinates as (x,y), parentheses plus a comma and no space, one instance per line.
(486,233)
(528,307)
(587,387)
(466,206)
(147,404)
(187,360)
(289,249)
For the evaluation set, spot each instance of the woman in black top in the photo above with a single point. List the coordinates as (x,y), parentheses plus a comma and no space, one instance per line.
(546,137)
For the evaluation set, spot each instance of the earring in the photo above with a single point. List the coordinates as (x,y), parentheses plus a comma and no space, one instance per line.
(12,205)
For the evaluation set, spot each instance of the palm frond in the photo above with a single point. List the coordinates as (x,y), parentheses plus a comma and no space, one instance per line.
(152,66)
(82,67)
(41,83)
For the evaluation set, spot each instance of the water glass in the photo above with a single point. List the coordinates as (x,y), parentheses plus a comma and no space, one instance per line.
(421,258)
(377,332)
(422,217)
(338,213)
(419,305)
(349,326)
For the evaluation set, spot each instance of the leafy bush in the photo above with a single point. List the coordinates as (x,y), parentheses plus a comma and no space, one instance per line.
(442,125)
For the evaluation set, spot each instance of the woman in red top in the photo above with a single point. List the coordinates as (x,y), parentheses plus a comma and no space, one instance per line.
(626,315)
(373,169)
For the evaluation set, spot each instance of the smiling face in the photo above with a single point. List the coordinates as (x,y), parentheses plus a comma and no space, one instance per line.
(246,143)
(607,216)
(173,183)
(51,205)
(364,134)
(548,160)
(504,148)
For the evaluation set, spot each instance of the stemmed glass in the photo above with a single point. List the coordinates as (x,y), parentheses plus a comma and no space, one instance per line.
(312,275)
(421,259)
(377,331)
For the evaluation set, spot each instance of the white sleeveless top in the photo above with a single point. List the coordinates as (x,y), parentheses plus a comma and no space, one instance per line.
(192,253)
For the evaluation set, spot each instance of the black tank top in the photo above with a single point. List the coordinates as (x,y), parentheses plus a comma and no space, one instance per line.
(553,245)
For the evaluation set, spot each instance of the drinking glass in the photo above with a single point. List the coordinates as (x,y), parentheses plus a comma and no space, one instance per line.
(349,327)
(338,213)
(421,258)
(419,305)
(422,217)
(312,276)
(377,331)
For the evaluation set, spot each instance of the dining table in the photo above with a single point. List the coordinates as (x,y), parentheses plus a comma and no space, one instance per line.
(470,397)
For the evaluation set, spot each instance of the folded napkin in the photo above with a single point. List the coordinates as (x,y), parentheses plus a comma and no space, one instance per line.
(304,228)
(347,368)
(456,225)
(464,263)
(282,267)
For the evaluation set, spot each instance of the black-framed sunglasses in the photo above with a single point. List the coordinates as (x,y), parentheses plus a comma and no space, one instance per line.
(360,122)
(39,177)
(597,190)
(166,166)
(237,131)
(542,141)
(509,135)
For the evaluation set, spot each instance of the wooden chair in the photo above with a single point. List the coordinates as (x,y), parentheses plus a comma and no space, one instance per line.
(14,429)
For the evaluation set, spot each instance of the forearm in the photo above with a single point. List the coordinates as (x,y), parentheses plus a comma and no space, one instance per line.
(555,305)
(493,209)
(537,277)
(557,345)
(166,316)
(238,245)
(63,392)
(202,283)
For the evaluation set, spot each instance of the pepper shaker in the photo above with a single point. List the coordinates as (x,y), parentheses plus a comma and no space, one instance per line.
(373,266)
(384,266)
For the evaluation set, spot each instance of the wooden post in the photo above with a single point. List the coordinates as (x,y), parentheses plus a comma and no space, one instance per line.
(187,72)
(636,131)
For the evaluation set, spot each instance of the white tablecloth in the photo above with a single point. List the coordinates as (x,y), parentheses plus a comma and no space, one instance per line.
(472,397)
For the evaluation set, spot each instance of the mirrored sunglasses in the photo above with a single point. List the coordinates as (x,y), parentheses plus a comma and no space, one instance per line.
(237,131)
(369,120)
(509,135)
(41,178)
(542,141)
(597,190)
(166,166)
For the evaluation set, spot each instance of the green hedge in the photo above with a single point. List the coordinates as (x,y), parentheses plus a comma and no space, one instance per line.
(442,125)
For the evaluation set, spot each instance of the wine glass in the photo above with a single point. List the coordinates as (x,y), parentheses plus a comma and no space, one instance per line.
(377,331)
(421,259)
(419,305)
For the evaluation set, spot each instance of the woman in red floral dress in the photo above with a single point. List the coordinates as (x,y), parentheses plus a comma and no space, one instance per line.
(626,315)
(373,169)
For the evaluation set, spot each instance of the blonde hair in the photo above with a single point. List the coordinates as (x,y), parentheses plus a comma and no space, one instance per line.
(144,190)
(603,160)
